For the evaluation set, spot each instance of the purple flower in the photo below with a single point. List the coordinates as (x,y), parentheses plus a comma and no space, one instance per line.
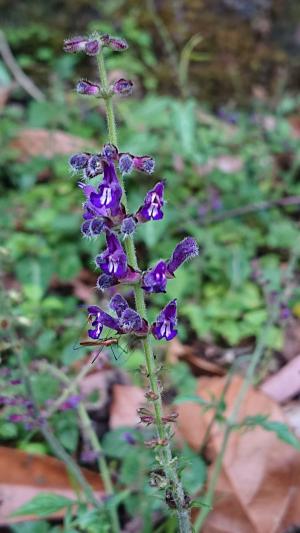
(113,260)
(184,250)
(105,281)
(129,438)
(89,209)
(71,403)
(128,226)
(99,319)
(93,228)
(75,44)
(127,321)
(90,45)
(126,163)
(144,163)
(88,88)
(165,324)
(130,321)
(109,192)
(118,304)
(115,43)
(79,161)
(122,87)
(94,166)
(155,279)
(153,203)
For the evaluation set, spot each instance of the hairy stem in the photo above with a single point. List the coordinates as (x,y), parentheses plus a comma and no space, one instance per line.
(167,462)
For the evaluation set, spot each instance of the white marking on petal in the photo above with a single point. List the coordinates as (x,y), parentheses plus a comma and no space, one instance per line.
(105,197)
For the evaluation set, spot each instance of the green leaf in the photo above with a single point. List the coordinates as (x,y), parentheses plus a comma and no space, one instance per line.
(282,431)
(194,474)
(44,504)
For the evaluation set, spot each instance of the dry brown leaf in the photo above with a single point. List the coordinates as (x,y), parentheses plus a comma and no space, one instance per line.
(177,351)
(41,142)
(258,491)
(285,384)
(23,476)
(125,402)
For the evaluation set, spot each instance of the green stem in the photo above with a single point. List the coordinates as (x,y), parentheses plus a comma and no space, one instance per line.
(168,463)
(229,425)
(89,431)
(50,438)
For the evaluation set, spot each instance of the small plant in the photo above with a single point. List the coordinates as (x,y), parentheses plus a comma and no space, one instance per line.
(105,210)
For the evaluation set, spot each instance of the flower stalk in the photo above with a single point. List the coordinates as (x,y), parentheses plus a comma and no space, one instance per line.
(165,458)
(106,210)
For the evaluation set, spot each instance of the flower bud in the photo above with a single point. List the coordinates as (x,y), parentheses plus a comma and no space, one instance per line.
(105,281)
(125,163)
(115,43)
(94,166)
(128,226)
(75,44)
(144,163)
(79,161)
(118,304)
(88,88)
(110,151)
(122,87)
(186,249)
(92,47)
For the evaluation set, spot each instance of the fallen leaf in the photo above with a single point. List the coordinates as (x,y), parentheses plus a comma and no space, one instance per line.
(200,365)
(258,490)
(41,142)
(285,384)
(23,476)
(126,399)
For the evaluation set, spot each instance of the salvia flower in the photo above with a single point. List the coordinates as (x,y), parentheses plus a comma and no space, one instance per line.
(88,88)
(110,191)
(155,279)
(186,249)
(165,324)
(115,43)
(113,260)
(153,203)
(99,319)
(122,87)
(127,321)
(144,163)
(90,45)
(118,304)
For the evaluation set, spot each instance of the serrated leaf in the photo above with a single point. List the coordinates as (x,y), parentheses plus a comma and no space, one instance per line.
(44,504)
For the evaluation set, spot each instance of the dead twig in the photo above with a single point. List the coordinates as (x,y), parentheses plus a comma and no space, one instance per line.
(22,79)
